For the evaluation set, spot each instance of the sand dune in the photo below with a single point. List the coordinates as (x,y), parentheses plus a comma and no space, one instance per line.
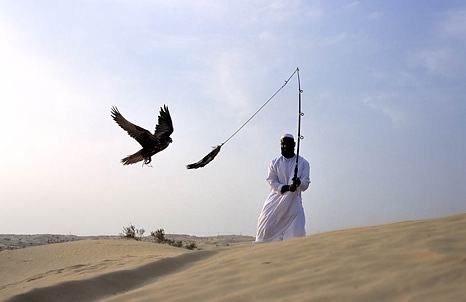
(110,283)
(47,265)
(15,241)
(408,261)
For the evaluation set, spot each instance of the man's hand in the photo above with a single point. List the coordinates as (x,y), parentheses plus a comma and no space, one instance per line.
(285,188)
(296,182)
(292,187)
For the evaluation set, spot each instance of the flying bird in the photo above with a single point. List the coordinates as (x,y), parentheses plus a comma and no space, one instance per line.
(151,143)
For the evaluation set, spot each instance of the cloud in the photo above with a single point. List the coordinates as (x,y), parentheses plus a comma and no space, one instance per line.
(383,103)
(285,11)
(444,54)
(376,15)
(456,23)
(227,83)
(334,40)
(440,61)
(398,78)
(42,105)
(352,5)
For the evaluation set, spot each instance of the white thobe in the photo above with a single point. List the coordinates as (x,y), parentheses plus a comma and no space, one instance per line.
(282,216)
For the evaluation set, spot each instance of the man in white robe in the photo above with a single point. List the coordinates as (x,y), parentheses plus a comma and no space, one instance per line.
(282,216)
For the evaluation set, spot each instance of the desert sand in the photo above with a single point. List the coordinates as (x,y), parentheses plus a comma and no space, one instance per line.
(408,261)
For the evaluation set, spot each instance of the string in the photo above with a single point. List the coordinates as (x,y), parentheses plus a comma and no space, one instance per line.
(276,92)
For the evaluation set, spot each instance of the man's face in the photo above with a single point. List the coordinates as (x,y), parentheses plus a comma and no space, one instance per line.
(287,147)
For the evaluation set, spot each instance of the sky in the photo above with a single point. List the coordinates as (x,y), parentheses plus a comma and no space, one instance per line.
(384,102)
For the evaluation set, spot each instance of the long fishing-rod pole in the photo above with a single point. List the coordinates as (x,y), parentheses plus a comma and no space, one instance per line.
(299,124)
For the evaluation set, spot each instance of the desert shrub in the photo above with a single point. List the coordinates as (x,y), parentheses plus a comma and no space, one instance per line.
(177,243)
(140,233)
(159,236)
(131,232)
(191,246)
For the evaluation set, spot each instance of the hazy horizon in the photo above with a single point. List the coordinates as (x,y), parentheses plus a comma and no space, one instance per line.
(384,101)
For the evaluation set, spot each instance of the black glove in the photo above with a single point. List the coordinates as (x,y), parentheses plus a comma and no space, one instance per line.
(285,188)
(296,181)
(292,187)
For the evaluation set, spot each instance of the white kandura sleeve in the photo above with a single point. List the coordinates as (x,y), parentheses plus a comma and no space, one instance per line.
(272,178)
(305,176)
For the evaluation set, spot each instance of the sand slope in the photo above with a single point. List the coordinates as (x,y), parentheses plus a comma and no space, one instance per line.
(408,261)
(22,270)
(16,241)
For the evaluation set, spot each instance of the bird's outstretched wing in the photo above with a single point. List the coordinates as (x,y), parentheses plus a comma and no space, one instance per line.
(141,135)
(206,159)
(164,127)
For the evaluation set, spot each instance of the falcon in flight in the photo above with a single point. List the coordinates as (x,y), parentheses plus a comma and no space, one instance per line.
(151,143)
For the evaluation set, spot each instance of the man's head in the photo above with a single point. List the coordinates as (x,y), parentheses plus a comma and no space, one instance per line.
(287,145)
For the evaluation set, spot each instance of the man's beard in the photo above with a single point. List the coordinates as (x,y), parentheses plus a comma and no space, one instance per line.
(288,153)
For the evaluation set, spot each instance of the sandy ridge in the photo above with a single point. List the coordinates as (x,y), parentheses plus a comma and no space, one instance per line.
(111,283)
(408,261)
(18,241)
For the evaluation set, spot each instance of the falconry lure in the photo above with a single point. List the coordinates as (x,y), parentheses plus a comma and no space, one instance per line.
(151,143)
(206,159)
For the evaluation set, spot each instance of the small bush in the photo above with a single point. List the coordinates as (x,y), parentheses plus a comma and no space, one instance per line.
(159,236)
(177,244)
(191,246)
(131,232)
(140,233)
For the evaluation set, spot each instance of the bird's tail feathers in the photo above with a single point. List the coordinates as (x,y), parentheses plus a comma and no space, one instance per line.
(133,158)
